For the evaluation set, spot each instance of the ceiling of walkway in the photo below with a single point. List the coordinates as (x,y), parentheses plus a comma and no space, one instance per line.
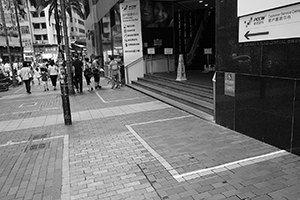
(196,4)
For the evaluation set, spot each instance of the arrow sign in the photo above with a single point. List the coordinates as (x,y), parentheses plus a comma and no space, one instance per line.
(248,34)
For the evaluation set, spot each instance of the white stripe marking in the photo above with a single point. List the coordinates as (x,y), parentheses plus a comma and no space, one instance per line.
(18,90)
(9,143)
(119,100)
(201,172)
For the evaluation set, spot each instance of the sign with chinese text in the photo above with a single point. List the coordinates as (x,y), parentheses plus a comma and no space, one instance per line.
(229,84)
(131,31)
(168,51)
(282,23)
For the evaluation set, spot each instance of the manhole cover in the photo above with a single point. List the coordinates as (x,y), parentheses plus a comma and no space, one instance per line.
(37,137)
(33,147)
(28,104)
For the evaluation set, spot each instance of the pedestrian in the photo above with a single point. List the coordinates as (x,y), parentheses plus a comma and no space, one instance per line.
(53,73)
(44,77)
(88,73)
(115,73)
(37,74)
(96,68)
(26,75)
(78,68)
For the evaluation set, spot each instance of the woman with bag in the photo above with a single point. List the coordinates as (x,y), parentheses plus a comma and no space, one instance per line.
(88,73)
(53,72)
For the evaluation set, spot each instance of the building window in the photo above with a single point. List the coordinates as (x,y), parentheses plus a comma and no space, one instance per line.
(38,37)
(72,29)
(80,22)
(45,37)
(43,25)
(25,30)
(34,14)
(71,19)
(36,26)
(81,30)
(42,14)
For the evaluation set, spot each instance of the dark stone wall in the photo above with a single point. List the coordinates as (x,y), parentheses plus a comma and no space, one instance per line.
(266,105)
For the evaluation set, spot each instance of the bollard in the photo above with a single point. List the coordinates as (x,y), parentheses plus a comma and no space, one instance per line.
(65,103)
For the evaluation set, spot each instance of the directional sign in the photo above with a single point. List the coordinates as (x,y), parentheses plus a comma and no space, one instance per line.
(282,23)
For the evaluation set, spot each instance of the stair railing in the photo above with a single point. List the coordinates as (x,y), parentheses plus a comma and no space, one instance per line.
(130,65)
(190,56)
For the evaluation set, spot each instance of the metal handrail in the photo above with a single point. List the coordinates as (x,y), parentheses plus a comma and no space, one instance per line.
(130,65)
(134,62)
(191,54)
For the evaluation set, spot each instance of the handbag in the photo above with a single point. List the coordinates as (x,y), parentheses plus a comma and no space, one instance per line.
(88,72)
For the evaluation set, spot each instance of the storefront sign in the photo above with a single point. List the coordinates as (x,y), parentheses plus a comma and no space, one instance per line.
(245,8)
(151,50)
(208,51)
(131,31)
(229,84)
(168,51)
(282,23)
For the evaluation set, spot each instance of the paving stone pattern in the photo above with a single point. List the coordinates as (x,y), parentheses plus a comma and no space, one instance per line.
(126,145)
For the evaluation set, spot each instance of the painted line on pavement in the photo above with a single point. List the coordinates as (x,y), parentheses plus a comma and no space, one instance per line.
(18,90)
(119,100)
(9,143)
(201,172)
(65,191)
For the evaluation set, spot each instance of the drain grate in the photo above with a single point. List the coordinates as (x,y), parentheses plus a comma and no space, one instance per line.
(39,136)
(33,147)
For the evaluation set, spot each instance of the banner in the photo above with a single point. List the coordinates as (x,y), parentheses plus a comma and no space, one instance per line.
(131,31)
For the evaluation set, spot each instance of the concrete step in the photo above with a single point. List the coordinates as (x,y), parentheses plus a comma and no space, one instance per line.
(195,92)
(193,102)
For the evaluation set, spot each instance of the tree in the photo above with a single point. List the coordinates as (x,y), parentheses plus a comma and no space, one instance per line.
(69,5)
(19,11)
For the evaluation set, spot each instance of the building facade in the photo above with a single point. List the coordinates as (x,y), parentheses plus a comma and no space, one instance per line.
(257,60)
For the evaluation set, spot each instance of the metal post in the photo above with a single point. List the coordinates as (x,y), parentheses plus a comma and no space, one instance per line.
(65,83)
(151,70)
(168,64)
(214,91)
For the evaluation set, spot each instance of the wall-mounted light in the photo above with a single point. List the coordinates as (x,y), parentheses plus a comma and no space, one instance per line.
(206,4)
(200,1)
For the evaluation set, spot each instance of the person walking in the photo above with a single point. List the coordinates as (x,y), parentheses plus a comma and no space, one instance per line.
(78,68)
(88,73)
(115,73)
(96,68)
(53,72)
(44,77)
(26,75)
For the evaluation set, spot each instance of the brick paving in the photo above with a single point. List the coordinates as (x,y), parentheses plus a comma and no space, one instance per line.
(126,145)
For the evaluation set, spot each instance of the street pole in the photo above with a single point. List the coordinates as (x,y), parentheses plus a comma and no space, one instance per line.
(7,43)
(66,83)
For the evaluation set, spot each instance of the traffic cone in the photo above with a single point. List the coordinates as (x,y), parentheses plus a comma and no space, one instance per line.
(181,69)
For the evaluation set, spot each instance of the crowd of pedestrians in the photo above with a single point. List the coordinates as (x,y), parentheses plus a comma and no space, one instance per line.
(84,69)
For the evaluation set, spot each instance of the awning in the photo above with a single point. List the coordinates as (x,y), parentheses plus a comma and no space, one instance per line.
(102,7)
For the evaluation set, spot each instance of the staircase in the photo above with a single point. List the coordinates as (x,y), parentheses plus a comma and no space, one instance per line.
(193,98)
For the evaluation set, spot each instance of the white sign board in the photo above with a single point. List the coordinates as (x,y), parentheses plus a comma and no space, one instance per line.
(131,31)
(168,51)
(282,23)
(208,51)
(246,7)
(151,50)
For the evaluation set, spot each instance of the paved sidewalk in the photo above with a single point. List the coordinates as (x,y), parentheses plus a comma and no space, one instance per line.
(126,145)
